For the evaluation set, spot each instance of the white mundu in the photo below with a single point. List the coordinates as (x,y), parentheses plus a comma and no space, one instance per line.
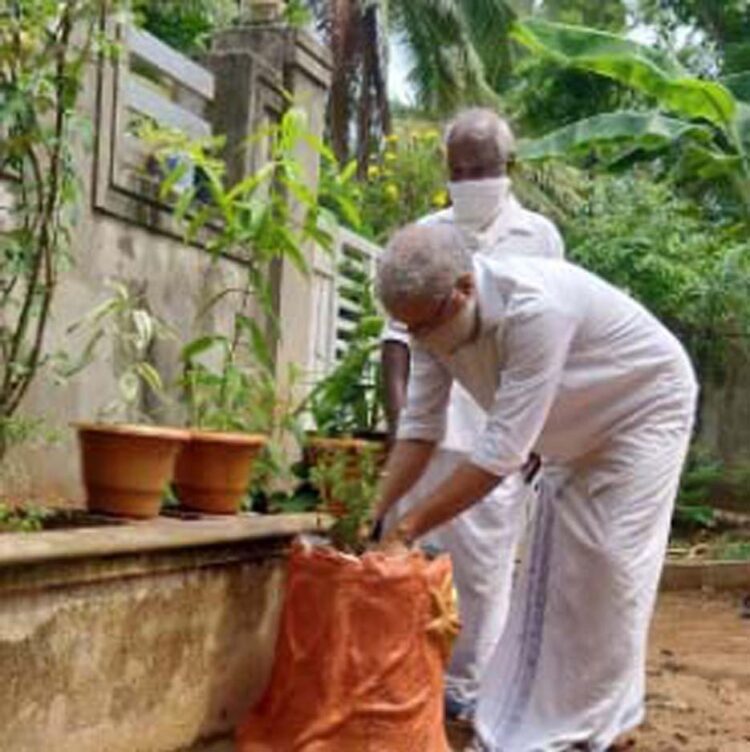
(483,541)
(569,367)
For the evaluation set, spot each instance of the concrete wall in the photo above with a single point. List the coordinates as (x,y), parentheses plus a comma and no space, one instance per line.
(150,650)
(725,409)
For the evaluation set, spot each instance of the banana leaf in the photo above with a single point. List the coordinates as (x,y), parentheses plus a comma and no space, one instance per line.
(642,68)
(649,131)
(698,161)
(739,85)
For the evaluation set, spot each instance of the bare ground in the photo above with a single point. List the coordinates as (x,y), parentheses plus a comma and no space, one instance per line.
(698,676)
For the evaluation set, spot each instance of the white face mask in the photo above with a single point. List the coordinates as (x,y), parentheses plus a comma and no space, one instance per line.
(457,331)
(477,202)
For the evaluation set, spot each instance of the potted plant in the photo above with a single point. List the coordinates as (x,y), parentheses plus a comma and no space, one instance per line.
(127,464)
(228,419)
(346,406)
(346,483)
(228,380)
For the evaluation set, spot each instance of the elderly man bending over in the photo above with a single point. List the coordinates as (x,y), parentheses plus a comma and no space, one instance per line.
(568,367)
(482,543)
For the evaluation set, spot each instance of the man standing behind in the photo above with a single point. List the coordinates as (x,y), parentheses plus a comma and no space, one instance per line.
(482,542)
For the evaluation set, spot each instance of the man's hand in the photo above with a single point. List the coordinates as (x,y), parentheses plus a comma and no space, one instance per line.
(397,540)
(393,547)
(403,469)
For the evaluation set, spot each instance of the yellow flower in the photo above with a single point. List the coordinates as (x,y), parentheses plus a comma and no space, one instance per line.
(373,171)
(390,157)
(440,198)
(391,139)
(392,192)
(431,135)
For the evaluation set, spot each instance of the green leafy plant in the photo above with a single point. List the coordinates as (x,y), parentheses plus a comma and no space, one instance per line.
(689,269)
(404,180)
(349,400)
(705,480)
(689,517)
(275,482)
(45,46)
(256,222)
(229,380)
(297,13)
(266,216)
(131,329)
(15,474)
(22,519)
(734,551)
(705,119)
(184,24)
(231,394)
(347,484)
(709,483)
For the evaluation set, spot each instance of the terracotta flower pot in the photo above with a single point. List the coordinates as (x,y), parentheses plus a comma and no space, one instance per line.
(126,468)
(320,450)
(213,471)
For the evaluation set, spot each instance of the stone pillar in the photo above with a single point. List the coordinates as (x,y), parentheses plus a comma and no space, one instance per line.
(254,66)
(263,11)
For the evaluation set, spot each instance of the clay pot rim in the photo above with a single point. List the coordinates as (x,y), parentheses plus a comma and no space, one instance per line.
(134,429)
(228,437)
(324,442)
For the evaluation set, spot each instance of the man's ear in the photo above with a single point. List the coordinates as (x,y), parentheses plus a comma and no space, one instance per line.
(465,284)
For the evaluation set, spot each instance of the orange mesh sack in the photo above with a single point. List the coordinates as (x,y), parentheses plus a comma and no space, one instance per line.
(360,655)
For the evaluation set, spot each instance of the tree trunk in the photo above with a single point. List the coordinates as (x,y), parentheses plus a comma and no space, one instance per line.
(345,17)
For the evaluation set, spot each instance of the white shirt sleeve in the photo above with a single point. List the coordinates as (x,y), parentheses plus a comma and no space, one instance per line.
(428,393)
(555,244)
(536,347)
(395,331)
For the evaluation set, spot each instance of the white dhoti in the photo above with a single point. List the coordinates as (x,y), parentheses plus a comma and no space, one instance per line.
(570,667)
(482,543)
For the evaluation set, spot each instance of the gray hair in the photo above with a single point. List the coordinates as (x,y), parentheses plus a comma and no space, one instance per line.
(485,122)
(422,262)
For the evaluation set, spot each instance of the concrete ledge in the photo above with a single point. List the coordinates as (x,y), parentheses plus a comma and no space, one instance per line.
(712,575)
(159,534)
(151,636)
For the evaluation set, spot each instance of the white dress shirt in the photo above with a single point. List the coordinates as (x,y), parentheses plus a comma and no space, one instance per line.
(562,362)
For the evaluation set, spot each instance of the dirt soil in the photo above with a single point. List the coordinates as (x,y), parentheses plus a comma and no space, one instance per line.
(698,676)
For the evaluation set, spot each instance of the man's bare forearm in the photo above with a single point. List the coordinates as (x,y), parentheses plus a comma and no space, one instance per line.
(468,485)
(395,360)
(406,464)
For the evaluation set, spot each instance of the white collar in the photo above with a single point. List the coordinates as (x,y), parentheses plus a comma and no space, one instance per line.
(513,219)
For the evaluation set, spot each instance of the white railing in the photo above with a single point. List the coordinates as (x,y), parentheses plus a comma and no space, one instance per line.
(147,80)
(336,277)
(160,84)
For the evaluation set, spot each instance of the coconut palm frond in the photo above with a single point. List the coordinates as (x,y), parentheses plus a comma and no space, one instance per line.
(447,70)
